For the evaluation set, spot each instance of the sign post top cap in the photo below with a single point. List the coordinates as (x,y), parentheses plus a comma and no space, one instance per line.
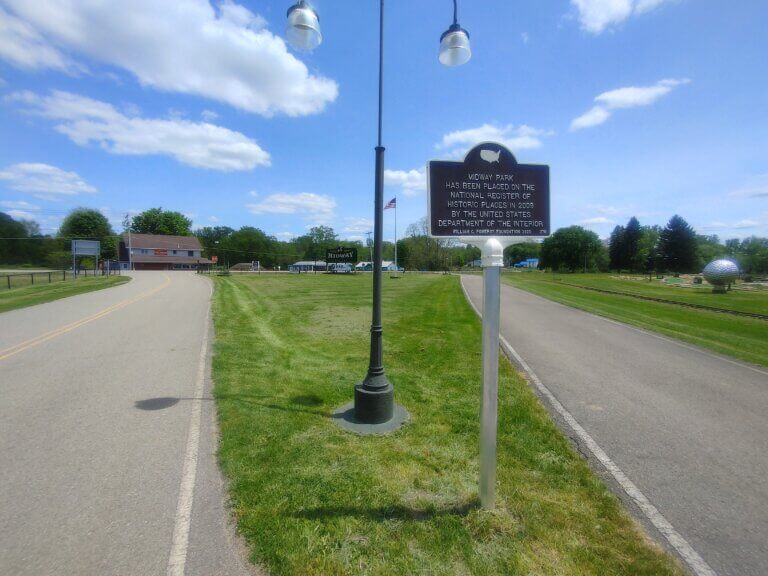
(490,153)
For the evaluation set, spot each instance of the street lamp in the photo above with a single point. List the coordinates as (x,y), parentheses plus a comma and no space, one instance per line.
(303,27)
(374,396)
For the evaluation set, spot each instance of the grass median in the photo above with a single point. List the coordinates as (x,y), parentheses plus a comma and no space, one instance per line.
(737,336)
(311,499)
(41,293)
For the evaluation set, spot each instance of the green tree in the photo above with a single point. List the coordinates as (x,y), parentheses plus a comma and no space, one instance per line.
(678,246)
(647,248)
(519,252)
(422,251)
(632,236)
(751,254)
(159,221)
(573,249)
(13,241)
(90,224)
(616,249)
(708,248)
(211,238)
(249,244)
(312,246)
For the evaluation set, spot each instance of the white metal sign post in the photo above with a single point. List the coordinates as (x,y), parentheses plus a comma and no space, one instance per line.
(492,263)
(489,201)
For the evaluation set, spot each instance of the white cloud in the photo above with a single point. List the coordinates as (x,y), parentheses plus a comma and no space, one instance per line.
(19,209)
(21,215)
(411,182)
(208,115)
(596,220)
(757,187)
(25,47)
(316,207)
(746,223)
(201,145)
(357,225)
(628,97)
(643,6)
(525,37)
(217,50)
(515,138)
(593,117)
(595,16)
(18,205)
(116,217)
(213,219)
(633,96)
(457,143)
(284,235)
(44,179)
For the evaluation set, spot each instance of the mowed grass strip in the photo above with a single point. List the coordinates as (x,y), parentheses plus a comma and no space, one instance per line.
(41,293)
(737,336)
(311,499)
(746,297)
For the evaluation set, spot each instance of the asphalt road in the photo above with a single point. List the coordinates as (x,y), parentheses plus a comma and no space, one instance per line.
(687,427)
(107,435)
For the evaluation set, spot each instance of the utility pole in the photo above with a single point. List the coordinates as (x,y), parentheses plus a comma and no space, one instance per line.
(127,224)
(370,246)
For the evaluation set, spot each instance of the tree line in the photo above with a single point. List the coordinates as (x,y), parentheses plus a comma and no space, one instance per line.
(633,247)
(675,248)
(22,243)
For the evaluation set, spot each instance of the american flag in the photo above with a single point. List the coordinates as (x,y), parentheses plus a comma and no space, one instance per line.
(391,204)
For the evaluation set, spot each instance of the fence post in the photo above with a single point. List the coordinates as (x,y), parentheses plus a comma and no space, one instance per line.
(9,281)
(49,278)
(32,276)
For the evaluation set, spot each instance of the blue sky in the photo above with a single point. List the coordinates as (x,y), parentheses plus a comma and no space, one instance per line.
(640,107)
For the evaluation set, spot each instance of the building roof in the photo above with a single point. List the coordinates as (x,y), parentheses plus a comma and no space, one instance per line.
(139,259)
(384,264)
(309,263)
(163,242)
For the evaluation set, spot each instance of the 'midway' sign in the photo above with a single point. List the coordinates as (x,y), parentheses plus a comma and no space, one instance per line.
(488,194)
(341,255)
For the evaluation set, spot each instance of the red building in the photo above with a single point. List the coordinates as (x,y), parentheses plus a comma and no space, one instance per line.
(159,252)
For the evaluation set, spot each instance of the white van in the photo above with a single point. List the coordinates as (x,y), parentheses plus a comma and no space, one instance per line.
(340,268)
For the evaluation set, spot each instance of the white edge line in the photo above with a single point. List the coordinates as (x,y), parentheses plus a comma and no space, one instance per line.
(686,551)
(178,556)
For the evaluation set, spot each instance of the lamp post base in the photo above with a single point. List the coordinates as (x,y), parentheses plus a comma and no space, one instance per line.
(374,405)
(344,417)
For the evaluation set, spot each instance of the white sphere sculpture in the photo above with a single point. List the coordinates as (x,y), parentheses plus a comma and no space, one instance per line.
(720,273)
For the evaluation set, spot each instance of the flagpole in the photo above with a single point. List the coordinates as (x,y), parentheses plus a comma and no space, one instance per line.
(396,268)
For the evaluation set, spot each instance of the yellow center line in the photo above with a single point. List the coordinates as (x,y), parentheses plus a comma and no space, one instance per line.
(32,342)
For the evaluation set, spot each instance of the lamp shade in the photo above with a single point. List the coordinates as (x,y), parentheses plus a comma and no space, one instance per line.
(303,28)
(454,46)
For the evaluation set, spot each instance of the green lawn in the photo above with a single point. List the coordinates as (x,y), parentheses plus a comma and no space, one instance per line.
(311,499)
(744,297)
(40,293)
(737,336)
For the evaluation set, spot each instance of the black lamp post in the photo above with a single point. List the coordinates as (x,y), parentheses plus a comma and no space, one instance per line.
(374,396)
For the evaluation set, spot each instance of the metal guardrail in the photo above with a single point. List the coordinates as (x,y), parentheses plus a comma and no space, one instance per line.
(21,279)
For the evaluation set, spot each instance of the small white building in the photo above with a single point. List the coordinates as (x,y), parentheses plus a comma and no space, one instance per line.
(307,266)
(386,266)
